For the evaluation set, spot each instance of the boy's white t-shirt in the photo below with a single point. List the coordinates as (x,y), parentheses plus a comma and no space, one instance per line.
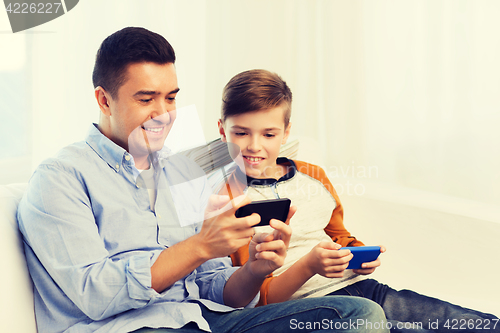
(314,203)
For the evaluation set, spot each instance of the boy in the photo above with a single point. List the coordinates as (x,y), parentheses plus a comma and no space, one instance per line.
(256,108)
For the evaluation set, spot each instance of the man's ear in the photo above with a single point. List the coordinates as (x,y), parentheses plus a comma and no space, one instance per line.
(103,99)
(222,132)
(287,133)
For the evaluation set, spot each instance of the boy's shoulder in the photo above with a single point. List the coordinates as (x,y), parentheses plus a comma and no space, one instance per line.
(312,170)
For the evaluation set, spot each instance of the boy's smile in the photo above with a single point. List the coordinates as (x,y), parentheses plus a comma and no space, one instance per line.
(259,135)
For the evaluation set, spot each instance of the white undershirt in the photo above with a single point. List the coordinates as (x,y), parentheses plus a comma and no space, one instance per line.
(148,176)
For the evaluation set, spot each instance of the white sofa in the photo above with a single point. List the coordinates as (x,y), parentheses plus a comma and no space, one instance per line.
(16,291)
(437,245)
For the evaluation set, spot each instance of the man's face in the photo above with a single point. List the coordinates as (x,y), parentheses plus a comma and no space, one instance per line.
(259,135)
(143,111)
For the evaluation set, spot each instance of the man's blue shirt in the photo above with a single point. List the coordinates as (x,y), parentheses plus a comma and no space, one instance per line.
(91,238)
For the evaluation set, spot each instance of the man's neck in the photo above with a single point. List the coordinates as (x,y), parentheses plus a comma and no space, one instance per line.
(141,162)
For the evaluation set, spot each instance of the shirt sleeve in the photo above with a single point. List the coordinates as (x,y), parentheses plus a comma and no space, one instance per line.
(57,222)
(212,277)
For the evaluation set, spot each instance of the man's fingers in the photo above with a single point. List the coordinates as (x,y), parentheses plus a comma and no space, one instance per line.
(217,201)
(240,201)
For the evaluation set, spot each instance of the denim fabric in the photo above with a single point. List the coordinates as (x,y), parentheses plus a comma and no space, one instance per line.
(324,314)
(405,307)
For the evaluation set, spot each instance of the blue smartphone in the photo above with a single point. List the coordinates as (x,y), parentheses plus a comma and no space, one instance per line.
(267,209)
(362,254)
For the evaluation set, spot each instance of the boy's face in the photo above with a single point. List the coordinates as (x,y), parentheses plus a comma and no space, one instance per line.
(259,135)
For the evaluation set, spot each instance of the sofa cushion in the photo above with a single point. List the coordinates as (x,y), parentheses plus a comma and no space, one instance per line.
(16,290)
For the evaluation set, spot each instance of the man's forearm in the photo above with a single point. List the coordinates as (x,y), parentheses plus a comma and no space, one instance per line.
(176,262)
(241,287)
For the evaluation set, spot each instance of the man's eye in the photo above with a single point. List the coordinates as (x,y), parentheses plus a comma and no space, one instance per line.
(146,100)
(171,99)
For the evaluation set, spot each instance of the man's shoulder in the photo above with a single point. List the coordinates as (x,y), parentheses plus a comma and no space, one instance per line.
(75,156)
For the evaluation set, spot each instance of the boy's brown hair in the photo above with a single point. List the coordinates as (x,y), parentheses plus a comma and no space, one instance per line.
(255,90)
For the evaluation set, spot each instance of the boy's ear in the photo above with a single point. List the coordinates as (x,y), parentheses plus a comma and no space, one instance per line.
(222,132)
(103,99)
(287,133)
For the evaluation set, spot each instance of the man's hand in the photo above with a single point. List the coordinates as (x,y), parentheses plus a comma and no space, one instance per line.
(222,233)
(369,267)
(325,259)
(267,252)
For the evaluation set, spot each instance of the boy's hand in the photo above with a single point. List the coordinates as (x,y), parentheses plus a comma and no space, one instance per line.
(267,252)
(222,233)
(369,267)
(325,259)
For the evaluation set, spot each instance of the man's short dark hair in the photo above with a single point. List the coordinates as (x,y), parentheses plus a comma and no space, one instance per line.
(255,90)
(128,46)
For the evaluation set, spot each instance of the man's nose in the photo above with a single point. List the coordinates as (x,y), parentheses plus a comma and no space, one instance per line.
(162,108)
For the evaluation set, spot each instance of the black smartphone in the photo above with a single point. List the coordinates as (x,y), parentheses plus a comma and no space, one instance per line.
(267,209)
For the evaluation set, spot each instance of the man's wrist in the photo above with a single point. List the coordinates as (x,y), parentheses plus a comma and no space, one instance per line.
(201,250)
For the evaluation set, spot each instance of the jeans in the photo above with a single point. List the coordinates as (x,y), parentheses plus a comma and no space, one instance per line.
(324,314)
(407,311)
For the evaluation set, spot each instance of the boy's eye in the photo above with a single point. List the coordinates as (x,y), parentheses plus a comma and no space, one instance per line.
(240,133)
(269,135)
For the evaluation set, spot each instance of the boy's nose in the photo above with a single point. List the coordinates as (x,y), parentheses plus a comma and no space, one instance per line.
(254,145)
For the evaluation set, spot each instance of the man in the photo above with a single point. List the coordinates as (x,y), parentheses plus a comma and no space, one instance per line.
(120,236)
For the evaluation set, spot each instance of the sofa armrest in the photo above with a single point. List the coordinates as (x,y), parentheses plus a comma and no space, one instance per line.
(16,290)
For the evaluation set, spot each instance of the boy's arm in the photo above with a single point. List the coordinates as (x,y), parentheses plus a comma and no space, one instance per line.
(323,259)
(267,252)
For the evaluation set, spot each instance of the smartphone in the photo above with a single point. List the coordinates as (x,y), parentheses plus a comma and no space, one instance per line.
(267,209)
(362,254)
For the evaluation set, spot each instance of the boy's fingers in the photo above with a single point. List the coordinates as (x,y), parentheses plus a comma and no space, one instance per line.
(371,264)
(281,231)
(260,237)
(329,245)
(291,212)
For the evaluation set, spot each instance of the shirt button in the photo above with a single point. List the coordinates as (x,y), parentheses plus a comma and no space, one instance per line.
(127,157)
(137,185)
(117,167)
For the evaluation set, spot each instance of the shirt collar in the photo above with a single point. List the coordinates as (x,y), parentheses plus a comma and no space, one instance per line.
(109,151)
(115,155)
(291,170)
